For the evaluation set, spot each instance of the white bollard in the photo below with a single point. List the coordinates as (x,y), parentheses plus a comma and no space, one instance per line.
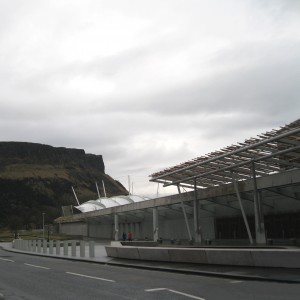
(45,246)
(82,249)
(92,248)
(39,246)
(30,245)
(27,245)
(34,246)
(51,247)
(57,247)
(66,248)
(73,251)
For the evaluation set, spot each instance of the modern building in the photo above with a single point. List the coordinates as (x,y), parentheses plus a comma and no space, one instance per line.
(249,192)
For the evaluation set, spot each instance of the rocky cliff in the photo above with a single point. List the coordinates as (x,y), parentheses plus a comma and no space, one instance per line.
(36,178)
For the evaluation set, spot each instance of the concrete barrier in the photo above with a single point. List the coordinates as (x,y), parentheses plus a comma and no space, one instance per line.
(112,251)
(128,252)
(285,258)
(236,257)
(155,254)
(289,258)
(188,255)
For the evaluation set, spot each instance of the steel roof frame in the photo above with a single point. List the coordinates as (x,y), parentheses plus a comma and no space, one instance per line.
(272,152)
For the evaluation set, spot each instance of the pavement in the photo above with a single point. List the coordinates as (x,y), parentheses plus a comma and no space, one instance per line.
(284,275)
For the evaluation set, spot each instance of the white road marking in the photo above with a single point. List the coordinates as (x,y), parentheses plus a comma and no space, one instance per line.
(99,278)
(5,259)
(35,266)
(236,281)
(175,292)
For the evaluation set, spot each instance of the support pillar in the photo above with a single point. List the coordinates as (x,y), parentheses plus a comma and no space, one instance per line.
(260,235)
(116,234)
(184,214)
(242,208)
(137,231)
(197,230)
(155,224)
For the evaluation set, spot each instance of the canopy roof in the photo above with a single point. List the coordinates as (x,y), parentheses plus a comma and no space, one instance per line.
(102,203)
(268,153)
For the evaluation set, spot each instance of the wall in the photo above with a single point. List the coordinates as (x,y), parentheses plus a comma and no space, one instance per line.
(78,228)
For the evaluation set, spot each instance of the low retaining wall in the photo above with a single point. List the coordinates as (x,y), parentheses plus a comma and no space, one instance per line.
(284,258)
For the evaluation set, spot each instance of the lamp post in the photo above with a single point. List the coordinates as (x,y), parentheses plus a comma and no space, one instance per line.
(43,226)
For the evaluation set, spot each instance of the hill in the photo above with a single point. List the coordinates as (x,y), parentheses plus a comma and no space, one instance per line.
(36,178)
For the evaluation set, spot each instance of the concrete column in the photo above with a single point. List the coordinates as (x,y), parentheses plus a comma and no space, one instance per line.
(155,225)
(184,214)
(260,235)
(137,231)
(197,230)
(116,231)
(132,229)
(242,208)
(82,249)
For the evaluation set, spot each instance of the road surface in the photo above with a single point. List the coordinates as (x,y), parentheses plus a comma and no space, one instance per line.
(36,277)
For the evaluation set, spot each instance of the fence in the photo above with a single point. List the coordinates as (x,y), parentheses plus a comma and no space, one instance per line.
(69,248)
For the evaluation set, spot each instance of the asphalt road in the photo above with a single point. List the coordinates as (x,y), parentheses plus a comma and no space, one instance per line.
(34,277)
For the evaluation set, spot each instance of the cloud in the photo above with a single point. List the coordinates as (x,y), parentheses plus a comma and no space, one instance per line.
(147,84)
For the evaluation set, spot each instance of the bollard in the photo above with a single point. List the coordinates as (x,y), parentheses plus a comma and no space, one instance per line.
(45,246)
(73,245)
(27,245)
(51,247)
(57,247)
(66,248)
(82,249)
(20,244)
(39,246)
(34,246)
(30,245)
(92,249)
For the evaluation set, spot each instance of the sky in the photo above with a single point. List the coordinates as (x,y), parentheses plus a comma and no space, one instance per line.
(147,84)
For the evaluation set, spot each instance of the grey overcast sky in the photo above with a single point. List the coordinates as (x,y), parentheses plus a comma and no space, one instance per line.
(147,83)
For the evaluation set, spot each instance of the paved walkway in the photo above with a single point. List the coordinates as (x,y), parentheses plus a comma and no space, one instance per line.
(241,273)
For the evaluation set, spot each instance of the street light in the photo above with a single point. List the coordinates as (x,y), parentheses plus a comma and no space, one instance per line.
(43,226)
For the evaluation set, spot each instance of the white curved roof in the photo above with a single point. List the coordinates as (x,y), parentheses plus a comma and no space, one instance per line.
(102,203)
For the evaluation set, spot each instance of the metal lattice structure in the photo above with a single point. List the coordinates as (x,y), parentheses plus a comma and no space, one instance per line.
(269,153)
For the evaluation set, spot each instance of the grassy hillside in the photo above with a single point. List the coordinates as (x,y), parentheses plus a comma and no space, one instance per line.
(38,178)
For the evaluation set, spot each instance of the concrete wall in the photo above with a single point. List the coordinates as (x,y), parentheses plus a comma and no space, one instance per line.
(104,231)
(168,229)
(284,258)
(78,228)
